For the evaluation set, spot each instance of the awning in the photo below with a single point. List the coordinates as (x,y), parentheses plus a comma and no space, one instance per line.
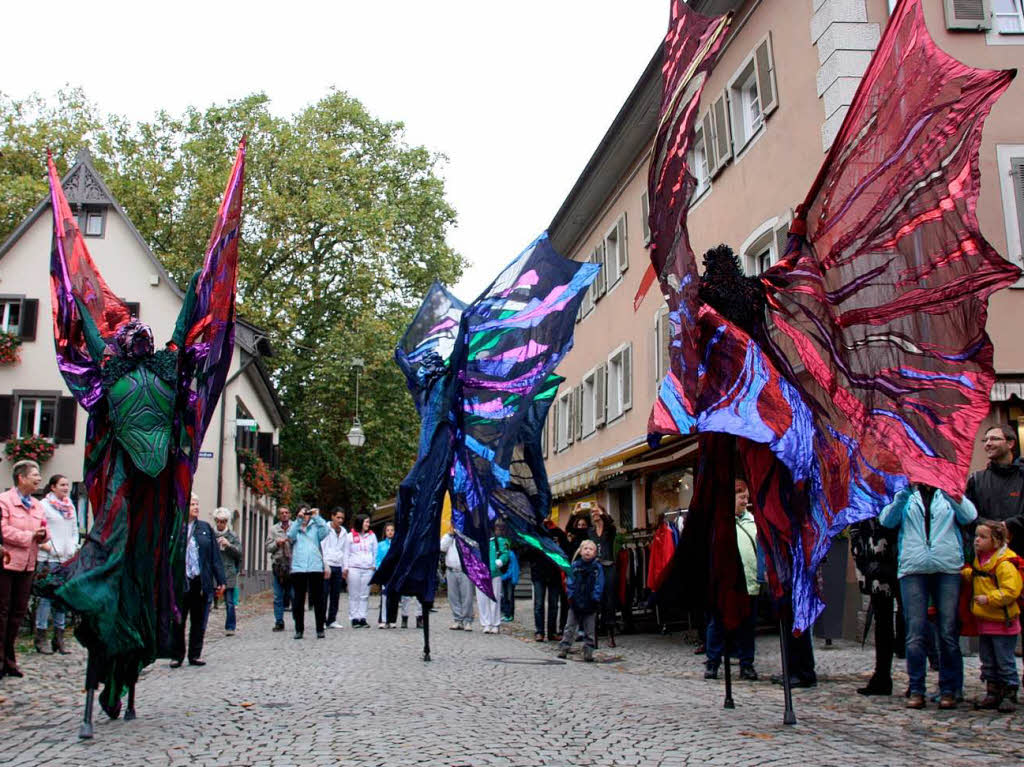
(663,461)
(575,482)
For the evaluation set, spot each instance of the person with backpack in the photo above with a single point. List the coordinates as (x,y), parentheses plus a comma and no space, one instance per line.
(280,550)
(995,580)
(931,556)
(586,591)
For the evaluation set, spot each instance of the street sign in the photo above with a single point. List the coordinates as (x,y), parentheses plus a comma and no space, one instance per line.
(206,454)
(246,422)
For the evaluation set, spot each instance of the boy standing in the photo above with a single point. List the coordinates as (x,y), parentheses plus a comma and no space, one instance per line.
(586,587)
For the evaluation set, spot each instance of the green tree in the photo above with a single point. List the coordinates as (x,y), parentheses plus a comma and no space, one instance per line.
(344,231)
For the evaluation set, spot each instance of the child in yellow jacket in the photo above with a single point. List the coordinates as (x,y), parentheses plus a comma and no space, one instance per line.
(996,584)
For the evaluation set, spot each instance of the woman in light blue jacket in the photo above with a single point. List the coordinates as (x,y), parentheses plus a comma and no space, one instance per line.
(931,555)
(307,568)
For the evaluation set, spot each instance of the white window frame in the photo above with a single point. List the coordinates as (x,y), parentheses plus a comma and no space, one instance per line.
(662,326)
(589,409)
(617,406)
(39,400)
(645,217)
(700,172)
(994,36)
(562,422)
(759,241)
(1017,14)
(744,132)
(616,252)
(1014,249)
(6,305)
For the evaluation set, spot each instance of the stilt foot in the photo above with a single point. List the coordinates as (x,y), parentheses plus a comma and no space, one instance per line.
(85,731)
(129,715)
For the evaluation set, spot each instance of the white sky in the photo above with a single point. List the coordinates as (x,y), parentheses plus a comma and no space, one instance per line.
(516,94)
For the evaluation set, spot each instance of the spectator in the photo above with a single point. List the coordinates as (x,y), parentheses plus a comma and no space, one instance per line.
(578,529)
(996,585)
(231,560)
(385,617)
(280,550)
(997,491)
(602,533)
(874,553)
(23,522)
(333,549)
(204,576)
(62,522)
(360,565)
(586,587)
(490,609)
(460,587)
(547,588)
(305,535)
(717,639)
(930,559)
(509,580)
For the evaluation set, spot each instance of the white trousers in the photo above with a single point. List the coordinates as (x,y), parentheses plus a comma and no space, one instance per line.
(358,592)
(410,606)
(490,609)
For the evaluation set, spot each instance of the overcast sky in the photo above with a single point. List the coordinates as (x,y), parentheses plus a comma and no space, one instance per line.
(516,94)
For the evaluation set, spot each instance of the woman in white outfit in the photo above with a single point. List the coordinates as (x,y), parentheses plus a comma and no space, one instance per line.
(490,609)
(62,520)
(360,565)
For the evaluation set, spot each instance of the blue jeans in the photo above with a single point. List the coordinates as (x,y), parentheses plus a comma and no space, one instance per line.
(43,615)
(230,603)
(942,590)
(280,591)
(508,599)
(742,638)
(998,663)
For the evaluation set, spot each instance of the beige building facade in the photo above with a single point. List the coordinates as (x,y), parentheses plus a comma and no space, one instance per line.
(785,77)
(34,399)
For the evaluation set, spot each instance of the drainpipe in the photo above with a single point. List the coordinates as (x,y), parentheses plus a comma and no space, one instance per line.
(223,426)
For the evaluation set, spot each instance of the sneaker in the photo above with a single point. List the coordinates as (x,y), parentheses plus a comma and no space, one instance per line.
(298,635)
(382,625)
(355,623)
(229,633)
(455,627)
(334,625)
(563,653)
(467,626)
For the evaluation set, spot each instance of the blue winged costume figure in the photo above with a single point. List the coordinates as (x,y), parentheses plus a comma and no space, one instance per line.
(482,377)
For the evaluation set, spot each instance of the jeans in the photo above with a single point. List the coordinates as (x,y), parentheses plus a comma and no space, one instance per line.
(508,599)
(332,593)
(573,623)
(998,663)
(943,590)
(551,594)
(230,603)
(43,615)
(460,596)
(282,594)
(742,638)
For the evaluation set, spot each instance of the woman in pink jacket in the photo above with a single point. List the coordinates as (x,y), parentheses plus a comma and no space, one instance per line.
(23,525)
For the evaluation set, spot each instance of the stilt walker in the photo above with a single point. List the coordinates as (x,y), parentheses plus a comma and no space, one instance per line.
(148,412)
(879,300)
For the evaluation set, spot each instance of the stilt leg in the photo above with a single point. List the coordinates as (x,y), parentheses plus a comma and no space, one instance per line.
(129,714)
(85,731)
(426,629)
(728,680)
(788,716)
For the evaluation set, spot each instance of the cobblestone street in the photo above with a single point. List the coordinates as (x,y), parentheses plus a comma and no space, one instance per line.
(364,697)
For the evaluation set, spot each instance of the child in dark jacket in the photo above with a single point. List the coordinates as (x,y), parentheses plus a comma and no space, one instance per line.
(586,587)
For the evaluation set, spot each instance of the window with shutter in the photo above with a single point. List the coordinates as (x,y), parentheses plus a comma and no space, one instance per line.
(601,282)
(623,253)
(782,235)
(1017,171)
(710,143)
(645,215)
(553,417)
(600,387)
(29,314)
(587,410)
(264,445)
(627,378)
(1008,16)
(723,131)
(6,416)
(544,441)
(764,64)
(620,389)
(36,415)
(570,417)
(662,340)
(67,416)
(578,422)
(967,14)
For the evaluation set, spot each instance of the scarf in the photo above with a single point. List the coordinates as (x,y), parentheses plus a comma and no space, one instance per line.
(65,506)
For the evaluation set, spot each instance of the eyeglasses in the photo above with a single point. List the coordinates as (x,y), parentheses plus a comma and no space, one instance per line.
(993,439)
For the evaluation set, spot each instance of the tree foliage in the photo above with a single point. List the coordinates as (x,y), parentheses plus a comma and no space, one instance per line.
(344,231)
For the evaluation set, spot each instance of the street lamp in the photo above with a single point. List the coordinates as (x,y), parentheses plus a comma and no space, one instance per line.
(356,435)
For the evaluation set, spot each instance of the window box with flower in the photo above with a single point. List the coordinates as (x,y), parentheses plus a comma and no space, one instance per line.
(32,448)
(9,344)
(256,475)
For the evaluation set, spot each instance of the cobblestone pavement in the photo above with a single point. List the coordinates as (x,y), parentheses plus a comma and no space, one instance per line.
(364,697)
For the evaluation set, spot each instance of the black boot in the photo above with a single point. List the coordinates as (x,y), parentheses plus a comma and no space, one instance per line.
(1008,704)
(993,696)
(40,642)
(405,621)
(57,643)
(876,686)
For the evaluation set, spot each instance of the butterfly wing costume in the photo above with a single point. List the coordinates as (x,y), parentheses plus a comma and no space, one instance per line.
(482,377)
(148,412)
(873,367)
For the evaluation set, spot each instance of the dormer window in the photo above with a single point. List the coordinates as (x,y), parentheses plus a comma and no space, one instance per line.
(92,220)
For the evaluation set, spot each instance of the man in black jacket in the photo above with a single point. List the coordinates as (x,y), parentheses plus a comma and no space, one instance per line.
(998,491)
(204,576)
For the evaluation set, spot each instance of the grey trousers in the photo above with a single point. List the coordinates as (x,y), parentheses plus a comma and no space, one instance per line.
(588,623)
(460,596)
